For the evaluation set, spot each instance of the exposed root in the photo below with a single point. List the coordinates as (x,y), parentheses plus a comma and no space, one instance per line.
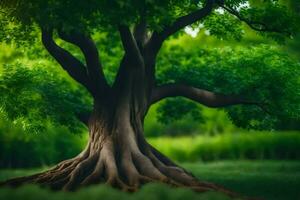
(80,171)
(95,175)
(128,170)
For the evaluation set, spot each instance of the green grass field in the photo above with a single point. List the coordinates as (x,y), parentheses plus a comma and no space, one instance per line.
(271,180)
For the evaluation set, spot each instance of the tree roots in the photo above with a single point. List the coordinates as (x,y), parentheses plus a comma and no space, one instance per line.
(126,169)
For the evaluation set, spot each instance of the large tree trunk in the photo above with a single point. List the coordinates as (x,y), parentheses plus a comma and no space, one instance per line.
(116,154)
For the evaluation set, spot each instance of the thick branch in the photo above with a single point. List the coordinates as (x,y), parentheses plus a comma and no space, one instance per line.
(130,46)
(180,23)
(204,97)
(157,38)
(188,19)
(90,51)
(255,25)
(69,63)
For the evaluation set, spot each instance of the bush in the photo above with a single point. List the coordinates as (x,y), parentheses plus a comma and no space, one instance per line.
(22,149)
(250,145)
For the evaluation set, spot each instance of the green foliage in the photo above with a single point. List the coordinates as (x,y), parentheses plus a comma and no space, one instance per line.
(200,121)
(256,145)
(169,110)
(111,52)
(284,25)
(224,26)
(37,96)
(86,16)
(260,74)
(20,18)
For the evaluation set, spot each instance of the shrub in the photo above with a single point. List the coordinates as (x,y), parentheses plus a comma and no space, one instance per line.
(22,149)
(250,145)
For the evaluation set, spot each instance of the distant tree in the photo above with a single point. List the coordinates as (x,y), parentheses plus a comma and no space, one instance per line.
(117,152)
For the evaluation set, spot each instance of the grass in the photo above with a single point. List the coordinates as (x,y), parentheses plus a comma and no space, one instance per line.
(270,180)
(274,180)
(250,145)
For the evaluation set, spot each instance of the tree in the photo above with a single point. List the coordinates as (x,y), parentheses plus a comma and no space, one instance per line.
(117,152)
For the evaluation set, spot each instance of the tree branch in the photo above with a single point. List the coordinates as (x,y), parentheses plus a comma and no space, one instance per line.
(204,97)
(155,42)
(68,62)
(90,51)
(140,33)
(130,46)
(132,66)
(255,25)
(180,23)
(188,19)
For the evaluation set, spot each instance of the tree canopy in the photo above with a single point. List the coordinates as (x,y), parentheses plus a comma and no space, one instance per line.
(224,17)
(259,74)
